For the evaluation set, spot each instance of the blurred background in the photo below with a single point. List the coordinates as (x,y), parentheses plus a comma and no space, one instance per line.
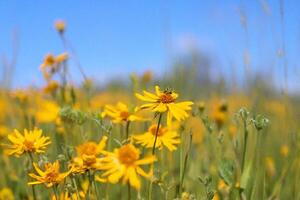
(231,44)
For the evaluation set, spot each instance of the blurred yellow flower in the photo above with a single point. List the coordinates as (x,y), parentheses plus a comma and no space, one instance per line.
(47,111)
(164,101)
(30,142)
(124,163)
(165,137)
(6,194)
(88,156)
(284,150)
(270,166)
(60,26)
(51,87)
(50,176)
(120,113)
(49,61)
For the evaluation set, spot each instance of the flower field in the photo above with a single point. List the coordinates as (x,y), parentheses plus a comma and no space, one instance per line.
(148,137)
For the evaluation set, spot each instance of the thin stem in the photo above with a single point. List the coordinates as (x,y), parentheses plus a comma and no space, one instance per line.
(128,191)
(156,133)
(127,129)
(32,187)
(55,192)
(245,144)
(185,163)
(76,188)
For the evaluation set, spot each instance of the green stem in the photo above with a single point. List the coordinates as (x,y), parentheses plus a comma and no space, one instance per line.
(245,145)
(55,192)
(32,187)
(128,191)
(76,188)
(127,129)
(156,133)
(185,163)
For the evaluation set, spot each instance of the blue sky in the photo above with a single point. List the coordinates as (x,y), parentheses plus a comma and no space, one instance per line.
(113,38)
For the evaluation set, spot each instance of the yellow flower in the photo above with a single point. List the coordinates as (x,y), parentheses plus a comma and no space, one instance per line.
(30,142)
(165,137)
(50,176)
(51,87)
(164,101)
(60,26)
(20,95)
(270,166)
(284,150)
(6,194)
(120,113)
(49,61)
(47,111)
(124,163)
(88,156)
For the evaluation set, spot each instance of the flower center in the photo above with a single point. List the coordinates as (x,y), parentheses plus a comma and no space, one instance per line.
(153,128)
(89,148)
(128,154)
(28,145)
(166,97)
(124,115)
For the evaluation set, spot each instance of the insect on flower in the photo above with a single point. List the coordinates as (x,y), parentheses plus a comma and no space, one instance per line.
(165,101)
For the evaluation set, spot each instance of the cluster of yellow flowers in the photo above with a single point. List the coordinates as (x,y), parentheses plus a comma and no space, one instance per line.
(123,164)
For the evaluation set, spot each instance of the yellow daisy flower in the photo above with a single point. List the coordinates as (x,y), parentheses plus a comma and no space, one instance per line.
(30,141)
(49,61)
(88,156)
(165,137)
(120,113)
(60,26)
(164,101)
(124,163)
(50,176)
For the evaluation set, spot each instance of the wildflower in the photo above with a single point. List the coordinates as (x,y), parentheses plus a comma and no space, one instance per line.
(29,142)
(120,113)
(50,176)
(20,95)
(232,130)
(60,26)
(270,166)
(49,61)
(88,156)
(147,76)
(51,87)
(165,137)
(284,150)
(164,101)
(219,114)
(124,163)
(6,194)
(47,111)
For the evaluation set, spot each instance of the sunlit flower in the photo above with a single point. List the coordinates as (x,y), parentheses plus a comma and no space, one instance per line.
(30,142)
(20,95)
(60,26)
(124,164)
(49,176)
(165,137)
(6,194)
(220,114)
(88,156)
(164,101)
(120,113)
